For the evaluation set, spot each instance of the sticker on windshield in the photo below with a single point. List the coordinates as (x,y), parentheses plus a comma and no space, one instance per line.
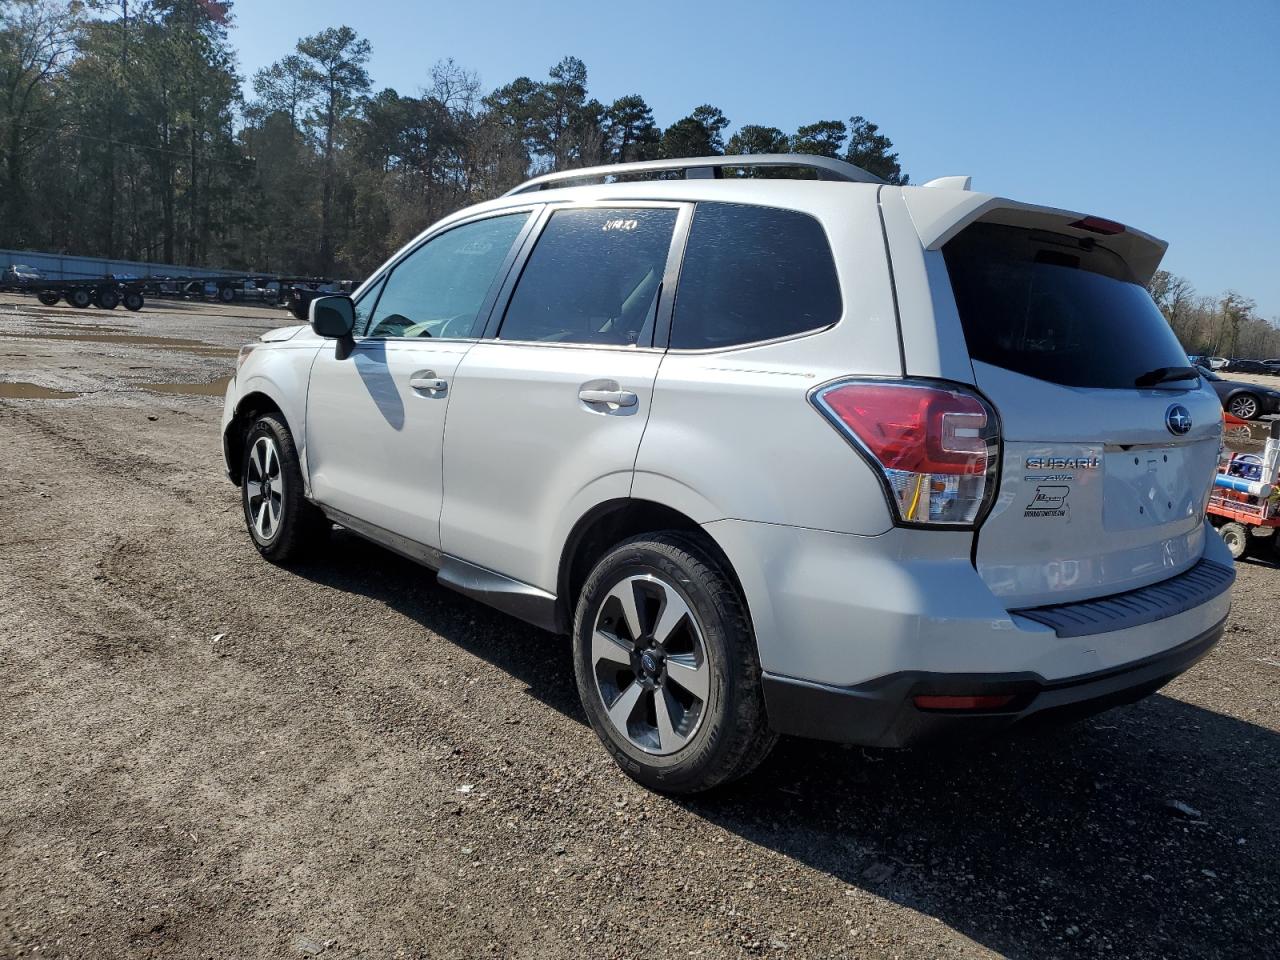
(1050,501)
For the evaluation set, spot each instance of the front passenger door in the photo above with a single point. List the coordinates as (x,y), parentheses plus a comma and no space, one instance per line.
(375,418)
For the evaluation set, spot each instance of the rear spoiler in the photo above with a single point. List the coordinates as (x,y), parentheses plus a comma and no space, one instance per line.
(939,215)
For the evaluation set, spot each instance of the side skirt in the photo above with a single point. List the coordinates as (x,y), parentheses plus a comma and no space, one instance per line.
(514,597)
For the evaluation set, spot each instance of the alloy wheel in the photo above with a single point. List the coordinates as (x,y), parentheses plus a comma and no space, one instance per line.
(1245,407)
(649,661)
(265,487)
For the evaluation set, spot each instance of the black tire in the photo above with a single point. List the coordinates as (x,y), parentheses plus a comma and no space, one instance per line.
(133,300)
(1236,537)
(731,735)
(226,294)
(48,297)
(297,525)
(79,297)
(107,298)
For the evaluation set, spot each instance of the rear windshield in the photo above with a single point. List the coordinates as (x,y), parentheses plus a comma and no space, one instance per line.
(1056,308)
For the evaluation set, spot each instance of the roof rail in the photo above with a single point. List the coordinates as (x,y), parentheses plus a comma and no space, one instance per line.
(706,168)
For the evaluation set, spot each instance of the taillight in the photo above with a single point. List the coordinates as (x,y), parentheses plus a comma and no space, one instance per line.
(936,446)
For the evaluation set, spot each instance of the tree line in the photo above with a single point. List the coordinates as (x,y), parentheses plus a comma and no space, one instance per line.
(124,133)
(1225,326)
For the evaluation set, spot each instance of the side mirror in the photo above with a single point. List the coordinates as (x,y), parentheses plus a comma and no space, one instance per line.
(333,317)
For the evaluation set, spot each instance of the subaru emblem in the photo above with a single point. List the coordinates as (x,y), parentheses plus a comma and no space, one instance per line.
(1177,419)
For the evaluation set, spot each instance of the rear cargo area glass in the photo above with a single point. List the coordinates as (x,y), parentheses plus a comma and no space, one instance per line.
(1055,307)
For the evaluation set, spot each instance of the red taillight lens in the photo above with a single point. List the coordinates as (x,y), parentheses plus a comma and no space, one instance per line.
(936,446)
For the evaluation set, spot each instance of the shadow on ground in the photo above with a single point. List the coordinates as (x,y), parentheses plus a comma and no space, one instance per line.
(1151,830)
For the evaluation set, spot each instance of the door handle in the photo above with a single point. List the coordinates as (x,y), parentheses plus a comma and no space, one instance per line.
(621,398)
(428,381)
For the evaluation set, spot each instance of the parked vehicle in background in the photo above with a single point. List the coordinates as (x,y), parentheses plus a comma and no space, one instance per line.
(1248,401)
(1216,363)
(742,439)
(20,273)
(1273,364)
(1242,365)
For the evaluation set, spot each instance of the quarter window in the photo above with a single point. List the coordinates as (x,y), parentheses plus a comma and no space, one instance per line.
(439,289)
(593,277)
(753,273)
(364,307)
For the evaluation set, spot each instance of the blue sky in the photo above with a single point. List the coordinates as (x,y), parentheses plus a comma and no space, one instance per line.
(1163,115)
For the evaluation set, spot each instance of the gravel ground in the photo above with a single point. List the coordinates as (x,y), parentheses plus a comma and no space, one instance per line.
(206,756)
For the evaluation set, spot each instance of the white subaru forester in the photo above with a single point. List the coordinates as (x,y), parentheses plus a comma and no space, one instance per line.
(802,453)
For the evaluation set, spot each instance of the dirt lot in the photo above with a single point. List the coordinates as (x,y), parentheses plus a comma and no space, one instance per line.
(205,756)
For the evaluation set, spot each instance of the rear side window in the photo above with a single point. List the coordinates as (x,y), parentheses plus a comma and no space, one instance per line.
(1056,308)
(593,277)
(753,273)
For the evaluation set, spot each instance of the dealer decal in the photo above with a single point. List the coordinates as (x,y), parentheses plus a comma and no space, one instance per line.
(1050,500)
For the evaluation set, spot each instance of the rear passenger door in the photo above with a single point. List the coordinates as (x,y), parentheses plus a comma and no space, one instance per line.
(547,413)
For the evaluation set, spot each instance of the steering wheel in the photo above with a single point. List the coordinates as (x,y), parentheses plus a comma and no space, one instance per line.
(462,321)
(392,325)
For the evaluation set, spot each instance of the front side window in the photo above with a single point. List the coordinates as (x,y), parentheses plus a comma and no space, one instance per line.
(753,273)
(593,277)
(439,289)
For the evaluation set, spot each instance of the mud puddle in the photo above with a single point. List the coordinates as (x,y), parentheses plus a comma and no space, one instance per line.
(1247,437)
(32,391)
(130,340)
(215,389)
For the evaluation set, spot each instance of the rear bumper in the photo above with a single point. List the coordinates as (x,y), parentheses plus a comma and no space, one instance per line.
(882,713)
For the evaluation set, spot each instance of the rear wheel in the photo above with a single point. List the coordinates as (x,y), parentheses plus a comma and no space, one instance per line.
(226,294)
(79,297)
(1236,537)
(108,298)
(281,521)
(133,300)
(666,666)
(47,297)
(1243,405)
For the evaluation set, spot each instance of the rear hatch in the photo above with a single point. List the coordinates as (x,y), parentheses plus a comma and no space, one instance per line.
(1110,440)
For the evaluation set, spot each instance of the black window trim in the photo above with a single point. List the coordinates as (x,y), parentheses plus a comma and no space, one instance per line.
(666,300)
(770,340)
(378,280)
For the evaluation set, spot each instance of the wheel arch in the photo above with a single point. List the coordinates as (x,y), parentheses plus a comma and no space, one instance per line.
(252,405)
(609,523)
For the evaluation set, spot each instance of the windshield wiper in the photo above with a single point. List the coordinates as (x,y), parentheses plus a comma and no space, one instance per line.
(1165,375)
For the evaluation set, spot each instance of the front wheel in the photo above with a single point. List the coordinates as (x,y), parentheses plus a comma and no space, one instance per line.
(666,666)
(281,521)
(1244,406)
